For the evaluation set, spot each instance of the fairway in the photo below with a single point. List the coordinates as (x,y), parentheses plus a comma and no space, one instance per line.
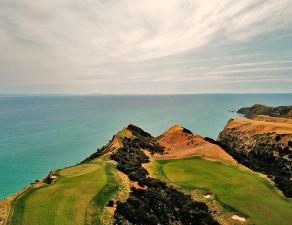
(69,201)
(240,189)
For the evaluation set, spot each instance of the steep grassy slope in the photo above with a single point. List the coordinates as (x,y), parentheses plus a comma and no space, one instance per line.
(78,194)
(240,189)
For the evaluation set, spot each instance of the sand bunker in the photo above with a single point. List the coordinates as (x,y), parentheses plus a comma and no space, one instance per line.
(236,217)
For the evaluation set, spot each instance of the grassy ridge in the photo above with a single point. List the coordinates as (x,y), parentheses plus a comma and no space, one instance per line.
(66,202)
(244,191)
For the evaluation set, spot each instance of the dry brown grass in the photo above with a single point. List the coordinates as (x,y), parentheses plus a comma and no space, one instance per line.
(261,125)
(5,206)
(179,144)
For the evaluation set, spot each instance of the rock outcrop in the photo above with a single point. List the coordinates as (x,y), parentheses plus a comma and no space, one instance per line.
(263,144)
(258,109)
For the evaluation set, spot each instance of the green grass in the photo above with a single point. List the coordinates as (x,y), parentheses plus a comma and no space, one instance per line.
(234,188)
(96,206)
(79,170)
(69,200)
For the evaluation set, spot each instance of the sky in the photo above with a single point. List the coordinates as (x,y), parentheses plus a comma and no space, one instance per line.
(145,46)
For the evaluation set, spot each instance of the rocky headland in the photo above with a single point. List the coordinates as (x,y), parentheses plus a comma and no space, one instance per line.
(262,142)
(258,109)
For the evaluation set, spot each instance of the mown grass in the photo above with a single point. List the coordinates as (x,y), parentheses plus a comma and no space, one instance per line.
(79,170)
(234,188)
(66,202)
(96,214)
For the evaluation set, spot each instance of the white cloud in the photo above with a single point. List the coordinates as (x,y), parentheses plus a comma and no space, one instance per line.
(60,40)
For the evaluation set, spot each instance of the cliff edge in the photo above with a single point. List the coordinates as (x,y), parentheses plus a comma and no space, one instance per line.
(263,144)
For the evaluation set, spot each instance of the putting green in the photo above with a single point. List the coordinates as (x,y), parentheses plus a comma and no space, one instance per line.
(237,188)
(69,199)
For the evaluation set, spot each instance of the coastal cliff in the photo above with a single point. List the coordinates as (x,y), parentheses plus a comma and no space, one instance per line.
(111,186)
(150,200)
(263,144)
(170,179)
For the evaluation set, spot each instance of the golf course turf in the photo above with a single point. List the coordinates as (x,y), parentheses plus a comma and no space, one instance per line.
(236,188)
(78,195)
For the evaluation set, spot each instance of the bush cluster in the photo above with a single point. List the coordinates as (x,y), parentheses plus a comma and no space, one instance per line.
(138,132)
(185,130)
(156,203)
(261,159)
(130,159)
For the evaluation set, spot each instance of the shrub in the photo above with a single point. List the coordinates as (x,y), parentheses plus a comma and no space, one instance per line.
(158,203)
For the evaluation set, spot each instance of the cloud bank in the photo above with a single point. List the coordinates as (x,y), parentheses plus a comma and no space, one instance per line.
(125,46)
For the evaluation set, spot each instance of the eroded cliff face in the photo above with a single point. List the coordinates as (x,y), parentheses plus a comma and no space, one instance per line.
(263,144)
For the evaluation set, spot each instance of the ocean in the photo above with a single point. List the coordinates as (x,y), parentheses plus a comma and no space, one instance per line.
(42,133)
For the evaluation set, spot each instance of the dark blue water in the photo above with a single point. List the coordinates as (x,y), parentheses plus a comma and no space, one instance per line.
(42,133)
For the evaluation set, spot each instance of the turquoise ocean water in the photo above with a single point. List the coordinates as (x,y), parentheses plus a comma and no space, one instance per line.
(42,133)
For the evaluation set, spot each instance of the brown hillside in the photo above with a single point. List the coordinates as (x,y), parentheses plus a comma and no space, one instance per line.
(179,143)
(260,125)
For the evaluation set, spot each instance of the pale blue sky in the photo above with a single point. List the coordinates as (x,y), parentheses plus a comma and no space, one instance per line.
(130,47)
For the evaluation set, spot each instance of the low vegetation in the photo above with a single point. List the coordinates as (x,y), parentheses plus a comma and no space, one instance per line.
(76,197)
(99,152)
(262,146)
(87,193)
(236,189)
(155,202)
(96,212)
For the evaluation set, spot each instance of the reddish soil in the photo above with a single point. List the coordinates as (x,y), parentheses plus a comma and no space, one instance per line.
(179,144)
